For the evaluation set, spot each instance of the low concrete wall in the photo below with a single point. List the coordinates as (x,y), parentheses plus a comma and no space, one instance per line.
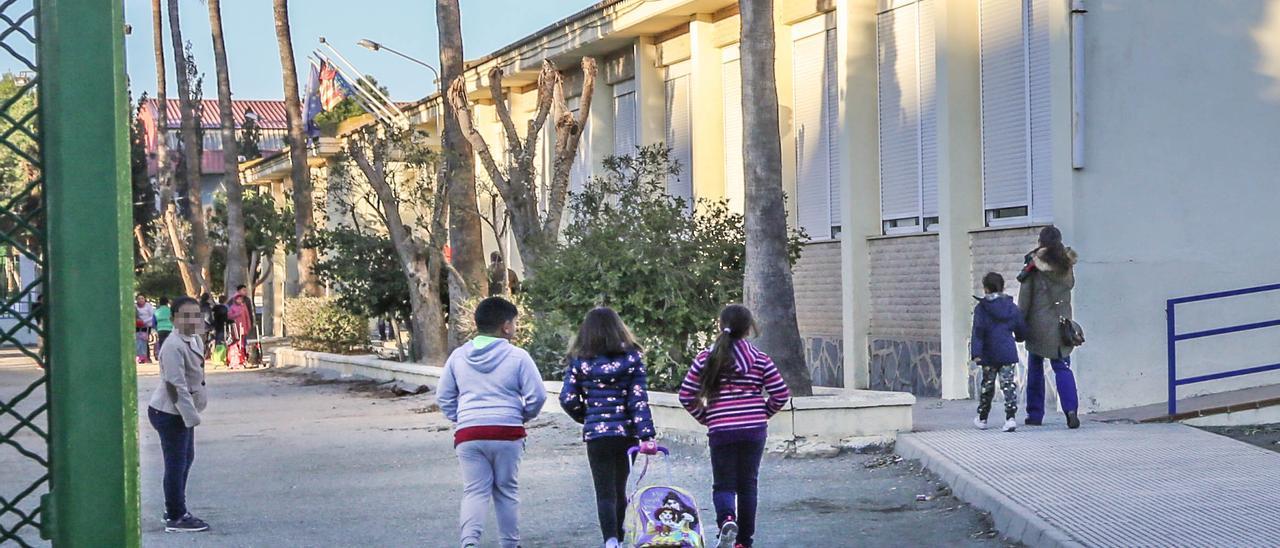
(849,418)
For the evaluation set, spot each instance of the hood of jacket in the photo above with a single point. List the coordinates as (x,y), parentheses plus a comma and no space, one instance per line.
(1043,265)
(488,358)
(744,356)
(999,307)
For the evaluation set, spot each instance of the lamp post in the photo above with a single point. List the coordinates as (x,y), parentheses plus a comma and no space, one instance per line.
(375,46)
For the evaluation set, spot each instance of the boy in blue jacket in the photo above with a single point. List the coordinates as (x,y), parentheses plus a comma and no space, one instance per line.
(997,325)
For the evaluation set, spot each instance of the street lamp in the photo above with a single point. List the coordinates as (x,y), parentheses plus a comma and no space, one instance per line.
(374,46)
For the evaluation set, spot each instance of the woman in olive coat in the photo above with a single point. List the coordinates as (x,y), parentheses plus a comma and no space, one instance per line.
(1045,298)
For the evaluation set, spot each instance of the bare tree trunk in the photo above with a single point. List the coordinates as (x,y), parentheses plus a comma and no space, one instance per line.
(767,284)
(300,174)
(169,218)
(200,248)
(421,264)
(465,238)
(236,273)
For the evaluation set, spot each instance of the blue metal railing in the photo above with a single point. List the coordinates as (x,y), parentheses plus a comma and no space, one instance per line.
(1174,337)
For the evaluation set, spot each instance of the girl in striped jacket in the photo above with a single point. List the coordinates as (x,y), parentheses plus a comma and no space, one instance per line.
(726,391)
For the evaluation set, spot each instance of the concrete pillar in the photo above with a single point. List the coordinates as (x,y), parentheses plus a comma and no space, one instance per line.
(859,177)
(959,181)
(651,93)
(273,294)
(708,108)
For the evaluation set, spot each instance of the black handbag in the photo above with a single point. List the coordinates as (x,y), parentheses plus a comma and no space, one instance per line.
(1071,332)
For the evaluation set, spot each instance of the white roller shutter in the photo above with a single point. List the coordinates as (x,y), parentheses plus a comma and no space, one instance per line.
(734,178)
(899,105)
(624,118)
(831,131)
(1005,158)
(928,114)
(680,136)
(813,165)
(1038,80)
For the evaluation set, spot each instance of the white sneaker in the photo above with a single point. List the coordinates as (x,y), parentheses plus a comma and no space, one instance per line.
(612,543)
(728,535)
(1009,425)
(979,423)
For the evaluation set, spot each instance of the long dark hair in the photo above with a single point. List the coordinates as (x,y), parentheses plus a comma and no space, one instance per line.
(602,334)
(1052,249)
(736,323)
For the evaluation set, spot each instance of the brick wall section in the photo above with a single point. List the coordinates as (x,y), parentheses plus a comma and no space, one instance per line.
(905,296)
(1001,251)
(818,296)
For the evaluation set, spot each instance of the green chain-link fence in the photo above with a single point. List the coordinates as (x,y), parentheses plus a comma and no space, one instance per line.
(23,401)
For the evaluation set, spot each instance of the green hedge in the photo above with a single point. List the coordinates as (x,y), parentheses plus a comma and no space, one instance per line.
(319,324)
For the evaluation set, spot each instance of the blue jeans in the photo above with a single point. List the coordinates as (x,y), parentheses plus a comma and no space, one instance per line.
(735,469)
(178,444)
(1063,378)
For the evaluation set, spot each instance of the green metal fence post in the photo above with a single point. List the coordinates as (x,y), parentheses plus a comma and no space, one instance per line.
(93,394)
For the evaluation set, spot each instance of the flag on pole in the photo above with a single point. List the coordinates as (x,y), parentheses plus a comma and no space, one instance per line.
(333,87)
(311,106)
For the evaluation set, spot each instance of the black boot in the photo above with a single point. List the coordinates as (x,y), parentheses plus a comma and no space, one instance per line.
(1073,421)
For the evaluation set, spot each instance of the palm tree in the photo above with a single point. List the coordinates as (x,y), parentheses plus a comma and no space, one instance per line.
(303,210)
(201,250)
(237,260)
(767,286)
(465,238)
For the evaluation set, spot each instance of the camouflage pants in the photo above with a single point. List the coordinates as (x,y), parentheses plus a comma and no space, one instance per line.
(1008,385)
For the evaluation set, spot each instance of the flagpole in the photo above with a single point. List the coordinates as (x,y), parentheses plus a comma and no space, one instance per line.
(398,115)
(360,95)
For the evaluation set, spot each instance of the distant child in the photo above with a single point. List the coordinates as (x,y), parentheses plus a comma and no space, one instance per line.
(725,390)
(491,388)
(164,323)
(996,324)
(605,389)
(174,411)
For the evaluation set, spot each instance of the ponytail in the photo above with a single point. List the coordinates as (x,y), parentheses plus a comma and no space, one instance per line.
(736,323)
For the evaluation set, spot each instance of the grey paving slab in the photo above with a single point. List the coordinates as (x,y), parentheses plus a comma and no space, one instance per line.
(1111,485)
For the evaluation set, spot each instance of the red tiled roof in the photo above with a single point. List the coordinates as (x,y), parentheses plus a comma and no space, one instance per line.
(271,114)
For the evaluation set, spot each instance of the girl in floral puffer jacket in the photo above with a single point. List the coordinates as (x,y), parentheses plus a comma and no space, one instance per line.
(605,390)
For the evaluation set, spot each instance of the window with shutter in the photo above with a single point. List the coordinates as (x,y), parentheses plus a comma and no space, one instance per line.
(679,133)
(624,118)
(1016,154)
(908,121)
(814,178)
(734,178)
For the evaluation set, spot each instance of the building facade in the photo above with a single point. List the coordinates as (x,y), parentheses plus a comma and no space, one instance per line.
(926,142)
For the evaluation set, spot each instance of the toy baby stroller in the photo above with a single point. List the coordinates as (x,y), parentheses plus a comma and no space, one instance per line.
(661,515)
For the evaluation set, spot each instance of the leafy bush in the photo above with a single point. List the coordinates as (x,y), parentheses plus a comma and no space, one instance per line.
(665,265)
(322,325)
(159,278)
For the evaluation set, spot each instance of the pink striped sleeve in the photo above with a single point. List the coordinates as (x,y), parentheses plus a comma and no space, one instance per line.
(774,384)
(689,390)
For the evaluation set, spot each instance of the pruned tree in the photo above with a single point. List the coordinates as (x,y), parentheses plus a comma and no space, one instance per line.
(199,252)
(237,268)
(499,223)
(175,227)
(300,174)
(534,229)
(412,204)
(767,287)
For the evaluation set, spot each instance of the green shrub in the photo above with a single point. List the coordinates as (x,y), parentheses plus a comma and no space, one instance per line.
(666,266)
(321,325)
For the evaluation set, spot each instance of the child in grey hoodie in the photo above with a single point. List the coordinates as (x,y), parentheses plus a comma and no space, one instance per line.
(490,388)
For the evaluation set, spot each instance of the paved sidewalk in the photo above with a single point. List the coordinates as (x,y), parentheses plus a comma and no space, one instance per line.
(1111,484)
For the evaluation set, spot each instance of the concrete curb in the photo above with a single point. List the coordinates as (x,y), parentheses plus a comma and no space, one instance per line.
(1011,519)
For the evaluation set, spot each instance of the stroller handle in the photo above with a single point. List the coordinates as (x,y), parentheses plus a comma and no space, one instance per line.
(636,450)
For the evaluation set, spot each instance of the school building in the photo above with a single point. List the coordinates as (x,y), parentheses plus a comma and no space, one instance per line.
(926,142)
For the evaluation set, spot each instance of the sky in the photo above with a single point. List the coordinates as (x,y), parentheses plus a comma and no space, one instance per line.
(408,26)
